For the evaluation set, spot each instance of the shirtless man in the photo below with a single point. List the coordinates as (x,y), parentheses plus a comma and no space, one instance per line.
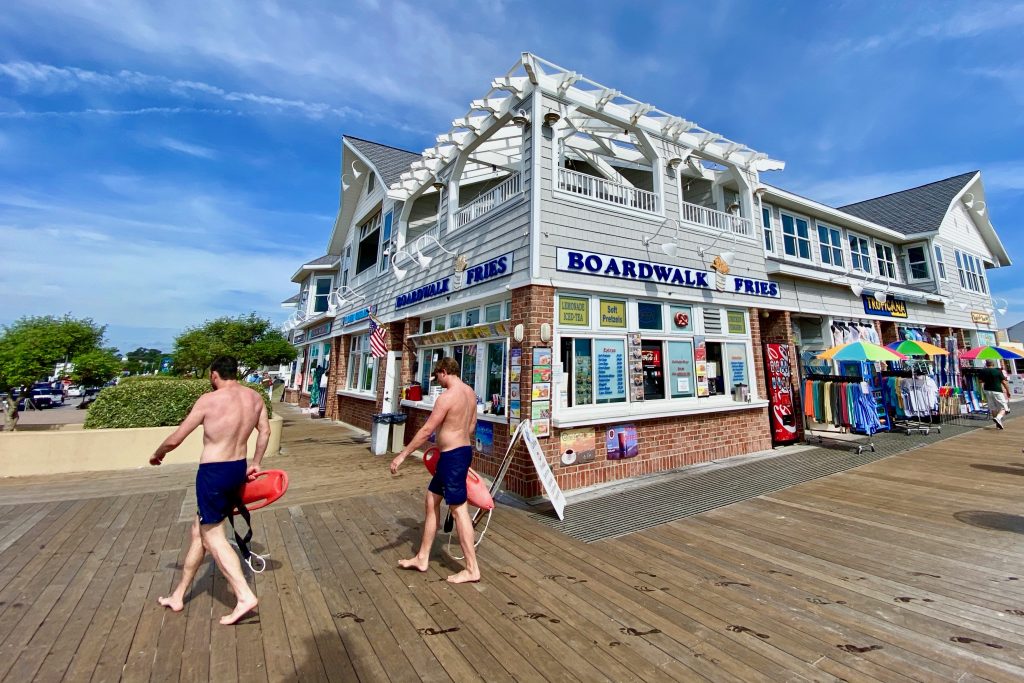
(454,420)
(228,416)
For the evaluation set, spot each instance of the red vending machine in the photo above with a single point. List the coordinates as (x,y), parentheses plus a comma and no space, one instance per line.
(782,411)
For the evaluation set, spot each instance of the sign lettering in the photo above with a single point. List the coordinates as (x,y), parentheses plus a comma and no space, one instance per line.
(892,308)
(474,275)
(573,310)
(603,265)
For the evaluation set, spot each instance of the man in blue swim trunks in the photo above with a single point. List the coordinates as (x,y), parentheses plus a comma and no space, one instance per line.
(228,415)
(454,420)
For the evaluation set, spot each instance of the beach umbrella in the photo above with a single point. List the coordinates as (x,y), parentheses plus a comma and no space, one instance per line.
(990,353)
(861,351)
(911,347)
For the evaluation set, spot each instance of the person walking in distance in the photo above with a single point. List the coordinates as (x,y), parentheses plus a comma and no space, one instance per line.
(997,389)
(228,415)
(454,420)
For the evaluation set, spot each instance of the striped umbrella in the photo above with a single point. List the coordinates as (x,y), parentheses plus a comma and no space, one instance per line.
(861,351)
(990,353)
(910,347)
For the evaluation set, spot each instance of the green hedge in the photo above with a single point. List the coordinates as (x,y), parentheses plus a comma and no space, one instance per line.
(156,402)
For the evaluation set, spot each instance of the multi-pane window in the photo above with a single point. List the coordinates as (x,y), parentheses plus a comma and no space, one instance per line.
(488,384)
(766,226)
(940,264)
(917,263)
(362,367)
(369,243)
(385,241)
(371,182)
(796,238)
(886,261)
(322,295)
(346,265)
(860,255)
(972,272)
(830,242)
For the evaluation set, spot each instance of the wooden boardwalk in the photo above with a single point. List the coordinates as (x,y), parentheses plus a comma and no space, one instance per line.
(906,569)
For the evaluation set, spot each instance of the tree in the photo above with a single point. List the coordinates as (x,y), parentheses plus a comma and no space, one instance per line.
(252,340)
(96,367)
(32,347)
(142,360)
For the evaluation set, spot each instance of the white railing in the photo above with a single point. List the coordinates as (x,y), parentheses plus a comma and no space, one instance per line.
(489,200)
(717,220)
(606,190)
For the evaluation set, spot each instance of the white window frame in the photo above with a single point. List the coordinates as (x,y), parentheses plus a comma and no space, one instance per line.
(850,236)
(940,262)
(832,248)
(367,228)
(387,242)
(480,376)
(890,262)
(314,295)
(972,272)
(796,236)
(923,246)
(768,230)
(358,357)
(371,182)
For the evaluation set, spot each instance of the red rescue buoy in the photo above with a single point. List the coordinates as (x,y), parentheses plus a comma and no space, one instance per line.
(268,486)
(476,488)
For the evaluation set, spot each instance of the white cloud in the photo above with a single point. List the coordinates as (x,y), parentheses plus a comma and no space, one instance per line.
(188,148)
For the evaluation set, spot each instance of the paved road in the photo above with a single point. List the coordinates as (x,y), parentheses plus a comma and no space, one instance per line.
(64,415)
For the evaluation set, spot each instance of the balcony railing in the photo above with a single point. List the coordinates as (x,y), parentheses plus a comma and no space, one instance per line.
(606,190)
(488,201)
(717,220)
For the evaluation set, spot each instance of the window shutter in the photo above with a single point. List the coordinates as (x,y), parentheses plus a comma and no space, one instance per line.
(712,321)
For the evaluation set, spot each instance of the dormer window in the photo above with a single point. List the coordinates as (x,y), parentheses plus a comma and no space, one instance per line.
(369,243)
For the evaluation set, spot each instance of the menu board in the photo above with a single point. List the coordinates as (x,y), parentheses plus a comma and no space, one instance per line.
(737,363)
(636,367)
(700,357)
(584,378)
(611,369)
(540,395)
(680,369)
(515,374)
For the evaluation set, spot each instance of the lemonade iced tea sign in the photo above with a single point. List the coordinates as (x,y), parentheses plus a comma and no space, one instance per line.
(574,310)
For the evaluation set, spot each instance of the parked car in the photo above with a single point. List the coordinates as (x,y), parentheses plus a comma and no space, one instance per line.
(76,392)
(42,396)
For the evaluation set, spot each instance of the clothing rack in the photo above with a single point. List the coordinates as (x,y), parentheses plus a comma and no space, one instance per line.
(912,422)
(845,331)
(811,433)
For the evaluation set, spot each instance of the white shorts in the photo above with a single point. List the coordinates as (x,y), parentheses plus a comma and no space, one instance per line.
(997,401)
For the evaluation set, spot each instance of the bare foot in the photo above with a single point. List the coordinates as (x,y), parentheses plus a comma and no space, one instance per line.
(240,610)
(465,576)
(174,603)
(415,563)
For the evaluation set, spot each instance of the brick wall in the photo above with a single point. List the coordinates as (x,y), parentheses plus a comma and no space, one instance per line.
(889,333)
(776,327)
(337,375)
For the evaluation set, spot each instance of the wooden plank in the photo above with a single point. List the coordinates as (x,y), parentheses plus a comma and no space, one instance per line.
(466,603)
(91,649)
(58,659)
(86,563)
(277,654)
(139,572)
(336,576)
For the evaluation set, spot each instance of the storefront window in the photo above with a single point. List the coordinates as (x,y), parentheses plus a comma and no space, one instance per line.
(737,322)
(428,358)
(455,319)
(492,313)
(495,382)
(465,356)
(508,309)
(473,317)
(362,365)
(439,324)
(680,369)
(426,326)
(653,370)
(649,316)
(736,357)
(610,369)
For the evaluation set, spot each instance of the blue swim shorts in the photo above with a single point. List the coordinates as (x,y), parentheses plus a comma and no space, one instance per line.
(450,476)
(218,489)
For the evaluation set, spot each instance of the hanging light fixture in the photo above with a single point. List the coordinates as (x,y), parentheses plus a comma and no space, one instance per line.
(400,272)
(422,243)
(670,248)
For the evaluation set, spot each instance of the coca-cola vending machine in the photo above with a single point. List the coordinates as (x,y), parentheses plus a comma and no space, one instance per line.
(782,411)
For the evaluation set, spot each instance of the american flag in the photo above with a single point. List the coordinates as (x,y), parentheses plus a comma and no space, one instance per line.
(378,340)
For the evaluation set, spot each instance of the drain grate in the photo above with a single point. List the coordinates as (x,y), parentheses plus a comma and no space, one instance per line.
(691,493)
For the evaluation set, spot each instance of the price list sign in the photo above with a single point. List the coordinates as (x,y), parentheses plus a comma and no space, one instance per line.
(611,370)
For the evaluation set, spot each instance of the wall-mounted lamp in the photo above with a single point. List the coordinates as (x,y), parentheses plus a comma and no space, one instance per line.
(400,272)
(551,118)
(733,208)
(857,289)
(1001,308)
(355,171)
(670,248)
(422,243)
(437,184)
(726,256)
(520,119)
(346,182)
(545,333)
(518,332)
(969,200)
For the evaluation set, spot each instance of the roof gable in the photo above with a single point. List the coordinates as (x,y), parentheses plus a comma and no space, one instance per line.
(914,211)
(390,162)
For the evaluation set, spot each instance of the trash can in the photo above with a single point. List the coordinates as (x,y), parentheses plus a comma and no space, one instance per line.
(398,432)
(380,432)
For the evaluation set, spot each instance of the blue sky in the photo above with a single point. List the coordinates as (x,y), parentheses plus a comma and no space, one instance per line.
(165,163)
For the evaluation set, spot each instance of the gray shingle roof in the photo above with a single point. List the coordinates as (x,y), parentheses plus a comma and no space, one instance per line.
(325,260)
(914,211)
(390,162)
(293,299)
